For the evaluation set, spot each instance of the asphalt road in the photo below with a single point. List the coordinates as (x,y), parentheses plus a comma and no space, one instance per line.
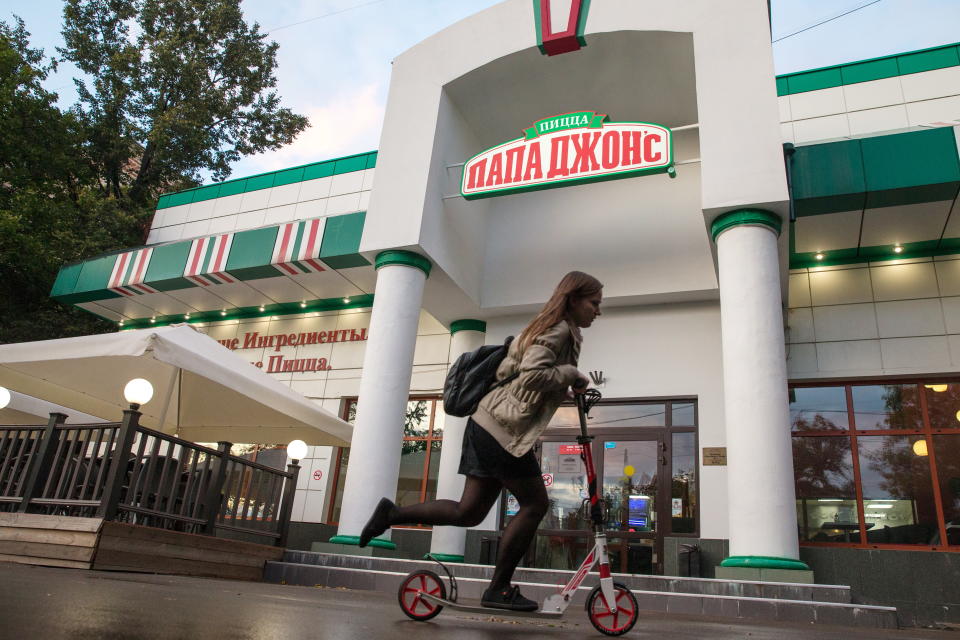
(43,602)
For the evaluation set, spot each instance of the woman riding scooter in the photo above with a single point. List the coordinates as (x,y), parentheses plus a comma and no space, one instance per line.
(499,437)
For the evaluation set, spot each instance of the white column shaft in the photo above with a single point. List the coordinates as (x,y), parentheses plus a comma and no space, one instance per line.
(762,506)
(384,391)
(452,540)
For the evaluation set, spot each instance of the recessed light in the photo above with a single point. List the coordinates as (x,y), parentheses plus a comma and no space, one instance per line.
(819,256)
(346,301)
(186,316)
(303,305)
(262,309)
(224,312)
(153,319)
(898,249)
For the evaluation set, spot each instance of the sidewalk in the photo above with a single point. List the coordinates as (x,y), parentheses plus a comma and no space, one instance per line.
(42,602)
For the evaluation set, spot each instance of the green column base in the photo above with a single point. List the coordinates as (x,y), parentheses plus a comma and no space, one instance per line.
(442,557)
(765,562)
(355,541)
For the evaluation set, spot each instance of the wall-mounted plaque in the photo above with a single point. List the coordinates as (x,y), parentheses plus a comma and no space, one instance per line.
(714,456)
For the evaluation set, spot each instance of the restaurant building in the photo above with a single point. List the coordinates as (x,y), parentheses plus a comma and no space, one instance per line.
(779,351)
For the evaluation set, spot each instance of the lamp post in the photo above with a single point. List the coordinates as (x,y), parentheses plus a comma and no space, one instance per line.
(4,397)
(296,451)
(138,392)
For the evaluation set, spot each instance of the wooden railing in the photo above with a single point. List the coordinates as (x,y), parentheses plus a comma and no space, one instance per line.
(126,472)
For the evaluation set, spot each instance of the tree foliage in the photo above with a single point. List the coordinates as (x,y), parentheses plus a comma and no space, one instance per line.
(171,89)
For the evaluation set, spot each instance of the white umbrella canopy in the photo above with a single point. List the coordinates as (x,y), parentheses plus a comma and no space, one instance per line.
(25,410)
(202,391)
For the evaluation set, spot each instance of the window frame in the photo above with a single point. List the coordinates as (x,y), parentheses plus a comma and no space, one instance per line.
(852,434)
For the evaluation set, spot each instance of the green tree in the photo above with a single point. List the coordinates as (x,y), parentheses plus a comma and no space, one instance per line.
(176,87)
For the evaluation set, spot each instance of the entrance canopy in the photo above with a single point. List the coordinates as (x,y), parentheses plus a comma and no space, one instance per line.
(202,391)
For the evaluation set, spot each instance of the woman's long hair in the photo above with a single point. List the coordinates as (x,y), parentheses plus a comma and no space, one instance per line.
(574,285)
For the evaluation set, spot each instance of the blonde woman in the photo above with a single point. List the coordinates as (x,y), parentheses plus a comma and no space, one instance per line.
(499,437)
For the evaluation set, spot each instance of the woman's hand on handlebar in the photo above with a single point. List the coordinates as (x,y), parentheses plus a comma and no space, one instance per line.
(580,384)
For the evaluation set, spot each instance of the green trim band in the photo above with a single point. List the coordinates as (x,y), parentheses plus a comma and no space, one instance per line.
(354,541)
(765,562)
(301,173)
(468,325)
(742,217)
(405,258)
(442,557)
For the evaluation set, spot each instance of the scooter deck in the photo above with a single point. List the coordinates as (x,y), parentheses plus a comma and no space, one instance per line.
(489,611)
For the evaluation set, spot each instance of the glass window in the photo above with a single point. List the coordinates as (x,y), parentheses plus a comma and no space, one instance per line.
(898,498)
(683,414)
(566,480)
(943,403)
(826,493)
(947,451)
(887,406)
(683,487)
(613,415)
(629,486)
(818,409)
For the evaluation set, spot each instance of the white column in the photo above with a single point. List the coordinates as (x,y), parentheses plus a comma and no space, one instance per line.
(762,506)
(384,389)
(467,335)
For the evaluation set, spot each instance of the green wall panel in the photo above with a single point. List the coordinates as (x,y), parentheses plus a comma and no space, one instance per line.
(95,274)
(928,60)
(319,170)
(783,87)
(354,163)
(372,160)
(814,80)
(911,159)
(233,187)
(165,272)
(870,70)
(256,183)
(288,177)
(252,248)
(341,241)
(177,199)
(66,282)
(828,178)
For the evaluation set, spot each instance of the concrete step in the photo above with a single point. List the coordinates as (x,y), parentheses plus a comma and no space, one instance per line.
(385,575)
(671,584)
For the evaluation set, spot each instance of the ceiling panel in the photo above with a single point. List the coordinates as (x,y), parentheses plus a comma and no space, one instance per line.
(827,232)
(201,298)
(95,308)
(326,284)
(363,277)
(241,294)
(128,307)
(904,224)
(281,289)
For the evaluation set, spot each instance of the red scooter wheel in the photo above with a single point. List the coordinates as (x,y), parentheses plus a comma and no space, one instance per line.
(413,604)
(603,619)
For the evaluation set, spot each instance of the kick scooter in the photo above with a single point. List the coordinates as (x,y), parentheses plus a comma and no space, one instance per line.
(611,607)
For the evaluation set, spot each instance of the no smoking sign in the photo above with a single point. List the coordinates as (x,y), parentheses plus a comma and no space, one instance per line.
(547,479)
(317,474)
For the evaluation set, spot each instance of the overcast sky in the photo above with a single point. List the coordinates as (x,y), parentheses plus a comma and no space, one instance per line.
(334,66)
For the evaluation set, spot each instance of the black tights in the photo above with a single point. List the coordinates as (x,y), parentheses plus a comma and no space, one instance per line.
(479,494)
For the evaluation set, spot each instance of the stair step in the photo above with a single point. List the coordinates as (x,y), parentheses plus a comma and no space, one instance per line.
(470,588)
(671,584)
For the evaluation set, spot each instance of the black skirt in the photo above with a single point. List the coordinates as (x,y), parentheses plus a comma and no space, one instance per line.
(483,456)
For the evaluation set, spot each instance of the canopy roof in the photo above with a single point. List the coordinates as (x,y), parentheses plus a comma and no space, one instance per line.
(202,391)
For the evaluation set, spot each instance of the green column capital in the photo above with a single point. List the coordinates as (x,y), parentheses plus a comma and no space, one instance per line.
(765,562)
(406,258)
(744,216)
(468,325)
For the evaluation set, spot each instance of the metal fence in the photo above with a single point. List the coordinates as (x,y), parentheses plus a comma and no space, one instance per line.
(126,472)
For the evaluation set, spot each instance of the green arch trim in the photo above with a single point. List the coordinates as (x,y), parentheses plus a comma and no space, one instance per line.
(765,562)
(468,325)
(744,216)
(443,557)
(406,258)
(355,541)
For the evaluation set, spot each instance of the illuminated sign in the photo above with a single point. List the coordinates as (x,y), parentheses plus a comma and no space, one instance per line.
(567,149)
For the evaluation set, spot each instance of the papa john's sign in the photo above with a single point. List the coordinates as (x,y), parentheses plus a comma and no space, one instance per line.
(566,149)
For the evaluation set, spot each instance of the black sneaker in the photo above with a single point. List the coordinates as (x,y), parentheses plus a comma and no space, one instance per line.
(508,598)
(378,522)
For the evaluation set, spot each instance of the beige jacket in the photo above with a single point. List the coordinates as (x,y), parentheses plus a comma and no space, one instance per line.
(518,412)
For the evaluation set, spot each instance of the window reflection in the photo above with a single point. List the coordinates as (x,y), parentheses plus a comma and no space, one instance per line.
(614,415)
(818,409)
(826,493)
(947,450)
(683,487)
(630,484)
(683,414)
(887,406)
(566,478)
(897,493)
(943,403)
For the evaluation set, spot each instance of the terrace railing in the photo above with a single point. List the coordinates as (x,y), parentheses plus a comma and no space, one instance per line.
(126,472)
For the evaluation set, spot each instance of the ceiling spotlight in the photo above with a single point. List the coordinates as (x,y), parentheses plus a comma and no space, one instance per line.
(303,305)
(121,323)
(898,249)
(186,316)
(819,256)
(262,309)
(346,301)
(153,319)
(224,312)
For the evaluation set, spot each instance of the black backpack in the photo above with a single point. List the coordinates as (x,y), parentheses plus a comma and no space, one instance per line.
(472,376)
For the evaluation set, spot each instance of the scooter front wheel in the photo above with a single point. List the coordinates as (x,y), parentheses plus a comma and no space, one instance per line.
(413,604)
(606,621)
